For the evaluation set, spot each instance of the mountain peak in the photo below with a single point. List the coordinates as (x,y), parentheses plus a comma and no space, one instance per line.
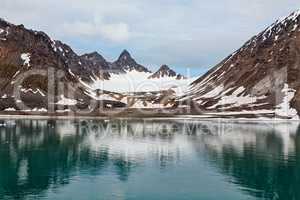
(125,55)
(96,60)
(166,71)
(93,55)
(126,63)
(165,67)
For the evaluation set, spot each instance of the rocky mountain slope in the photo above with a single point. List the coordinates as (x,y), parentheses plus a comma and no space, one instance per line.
(126,63)
(99,66)
(35,57)
(260,78)
(166,71)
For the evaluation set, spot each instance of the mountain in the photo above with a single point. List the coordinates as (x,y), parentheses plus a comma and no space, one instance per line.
(165,71)
(262,78)
(126,63)
(97,63)
(30,61)
(39,74)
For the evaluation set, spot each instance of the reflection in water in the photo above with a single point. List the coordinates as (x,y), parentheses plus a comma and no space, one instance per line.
(44,158)
(263,160)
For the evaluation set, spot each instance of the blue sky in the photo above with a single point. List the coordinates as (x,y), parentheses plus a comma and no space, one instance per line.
(191,34)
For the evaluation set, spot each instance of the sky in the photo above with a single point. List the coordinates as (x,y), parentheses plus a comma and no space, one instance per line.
(191,36)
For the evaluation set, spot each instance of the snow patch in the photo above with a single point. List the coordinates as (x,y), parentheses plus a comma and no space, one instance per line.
(295,27)
(105,97)
(37,91)
(63,111)
(16,74)
(36,110)
(39,110)
(71,73)
(26,58)
(236,99)
(139,104)
(10,109)
(215,92)
(66,101)
(1,33)
(284,109)
(53,44)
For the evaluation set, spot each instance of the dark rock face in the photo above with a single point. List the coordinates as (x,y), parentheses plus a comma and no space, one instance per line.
(126,63)
(97,63)
(23,51)
(263,74)
(165,71)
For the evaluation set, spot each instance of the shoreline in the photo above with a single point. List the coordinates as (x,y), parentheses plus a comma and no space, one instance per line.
(192,117)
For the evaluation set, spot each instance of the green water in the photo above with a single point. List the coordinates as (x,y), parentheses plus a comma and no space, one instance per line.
(148,159)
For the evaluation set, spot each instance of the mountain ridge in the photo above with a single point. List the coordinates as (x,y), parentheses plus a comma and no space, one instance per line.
(260,76)
(23,50)
(166,71)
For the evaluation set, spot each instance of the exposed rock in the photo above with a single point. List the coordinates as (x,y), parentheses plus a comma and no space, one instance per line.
(97,64)
(126,63)
(262,76)
(165,71)
(24,51)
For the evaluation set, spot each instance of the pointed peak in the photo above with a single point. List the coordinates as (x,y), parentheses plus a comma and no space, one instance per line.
(125,55)
(125,52)
(95,54)
(164,67)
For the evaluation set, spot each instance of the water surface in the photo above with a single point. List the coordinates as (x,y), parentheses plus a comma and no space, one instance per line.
(148,159)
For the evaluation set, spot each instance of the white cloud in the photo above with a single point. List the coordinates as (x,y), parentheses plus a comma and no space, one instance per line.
(176,32)
(113,32)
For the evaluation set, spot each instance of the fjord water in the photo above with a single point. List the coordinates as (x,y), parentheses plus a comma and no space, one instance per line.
(148,159)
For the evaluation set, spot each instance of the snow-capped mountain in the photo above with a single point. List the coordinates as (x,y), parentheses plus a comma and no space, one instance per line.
(74,80)
(260,78)
(166,71)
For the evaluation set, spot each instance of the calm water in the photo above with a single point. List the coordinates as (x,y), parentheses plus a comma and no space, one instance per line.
(148,159)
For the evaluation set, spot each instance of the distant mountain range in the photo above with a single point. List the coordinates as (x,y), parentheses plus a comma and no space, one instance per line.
(23,51)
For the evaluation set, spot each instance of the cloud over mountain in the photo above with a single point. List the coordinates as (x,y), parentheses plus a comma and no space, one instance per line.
(187,33)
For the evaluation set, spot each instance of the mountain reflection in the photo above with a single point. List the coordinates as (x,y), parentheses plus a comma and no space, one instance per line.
(37,155)
(262,159)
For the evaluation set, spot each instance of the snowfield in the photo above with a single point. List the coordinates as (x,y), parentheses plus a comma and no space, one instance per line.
(134,81)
